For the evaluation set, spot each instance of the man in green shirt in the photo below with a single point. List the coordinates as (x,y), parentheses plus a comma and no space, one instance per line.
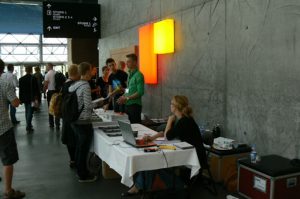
(134,92)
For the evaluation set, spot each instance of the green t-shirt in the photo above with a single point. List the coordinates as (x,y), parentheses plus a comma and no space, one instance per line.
(135,84)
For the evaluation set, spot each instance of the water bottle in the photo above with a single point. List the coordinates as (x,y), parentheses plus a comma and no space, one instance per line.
(202,129)
(253,154)
(216,131)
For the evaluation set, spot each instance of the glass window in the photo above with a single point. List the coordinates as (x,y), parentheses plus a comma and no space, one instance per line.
(22,48)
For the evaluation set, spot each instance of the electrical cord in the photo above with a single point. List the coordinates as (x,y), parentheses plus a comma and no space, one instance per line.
(164,155)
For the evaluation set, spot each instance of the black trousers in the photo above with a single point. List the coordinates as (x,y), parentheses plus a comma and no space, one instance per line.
(84,136)
(134,113)
(51,117)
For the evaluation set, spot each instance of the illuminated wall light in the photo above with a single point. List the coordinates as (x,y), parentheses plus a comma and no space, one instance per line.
(164,36)
(147,57)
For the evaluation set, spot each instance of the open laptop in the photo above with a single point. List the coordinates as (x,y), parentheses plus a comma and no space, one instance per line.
(129,138)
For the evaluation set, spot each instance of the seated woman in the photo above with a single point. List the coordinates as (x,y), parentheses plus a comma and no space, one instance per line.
(180,125)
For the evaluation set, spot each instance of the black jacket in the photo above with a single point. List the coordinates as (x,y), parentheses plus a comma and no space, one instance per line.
(29,89)
(187,130)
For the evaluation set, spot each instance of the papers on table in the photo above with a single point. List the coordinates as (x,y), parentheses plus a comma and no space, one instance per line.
(165,141)
(183,145)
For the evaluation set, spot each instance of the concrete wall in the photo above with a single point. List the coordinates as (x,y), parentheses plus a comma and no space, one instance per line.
(236,60)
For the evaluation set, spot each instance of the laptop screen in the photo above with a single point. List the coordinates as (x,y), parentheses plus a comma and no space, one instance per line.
(127,132)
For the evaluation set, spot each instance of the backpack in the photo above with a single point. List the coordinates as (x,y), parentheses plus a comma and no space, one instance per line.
(59,79)
(69,107)
(55,105)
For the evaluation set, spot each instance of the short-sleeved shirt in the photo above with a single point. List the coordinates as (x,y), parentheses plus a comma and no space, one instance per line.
(135,85)
(7,94)
(50,78)
(118,79)
(103,87)
(93,86)
(11,78)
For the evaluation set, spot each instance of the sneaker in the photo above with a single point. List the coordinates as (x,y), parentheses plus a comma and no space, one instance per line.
(16,123)
(14,195)
(88,179)
(29,130)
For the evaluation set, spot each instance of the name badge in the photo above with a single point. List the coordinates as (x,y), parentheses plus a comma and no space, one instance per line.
(126,90)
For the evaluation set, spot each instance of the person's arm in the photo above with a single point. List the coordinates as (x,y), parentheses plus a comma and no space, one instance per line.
(46,82)
(174,131)
(35,88)
(96,91)
(11,96)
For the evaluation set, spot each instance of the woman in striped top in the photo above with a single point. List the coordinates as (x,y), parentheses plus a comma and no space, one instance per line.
(83,127)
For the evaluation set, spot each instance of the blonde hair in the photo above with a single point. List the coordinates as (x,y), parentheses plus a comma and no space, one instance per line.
(182,105)
(84,67)
(73,70)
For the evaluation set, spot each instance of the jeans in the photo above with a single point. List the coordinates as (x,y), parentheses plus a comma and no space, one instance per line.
(84,136)
(145,180)
(51,117)
(118,107)
(12,111)
(28,115)
(134,113)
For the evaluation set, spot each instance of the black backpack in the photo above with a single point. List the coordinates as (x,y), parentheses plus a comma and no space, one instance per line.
(59,80)
(70,112)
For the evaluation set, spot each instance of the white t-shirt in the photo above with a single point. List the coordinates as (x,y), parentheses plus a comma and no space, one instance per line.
(10,78)
(50,79)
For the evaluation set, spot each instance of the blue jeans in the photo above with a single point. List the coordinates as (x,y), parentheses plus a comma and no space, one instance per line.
(13,111)
(144,180)
(28,115)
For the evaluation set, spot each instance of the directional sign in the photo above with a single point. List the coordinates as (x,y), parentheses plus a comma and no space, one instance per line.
(71,20)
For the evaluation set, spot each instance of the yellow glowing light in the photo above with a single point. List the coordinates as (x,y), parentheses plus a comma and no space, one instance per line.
(164,36)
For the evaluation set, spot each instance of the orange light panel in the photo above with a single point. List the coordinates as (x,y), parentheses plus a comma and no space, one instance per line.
(164,36)
(147,57)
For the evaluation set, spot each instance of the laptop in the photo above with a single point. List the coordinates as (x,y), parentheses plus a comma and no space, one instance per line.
(129,138)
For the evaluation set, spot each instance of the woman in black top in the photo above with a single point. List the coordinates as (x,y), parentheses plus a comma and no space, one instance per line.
(180,125)
(103,84)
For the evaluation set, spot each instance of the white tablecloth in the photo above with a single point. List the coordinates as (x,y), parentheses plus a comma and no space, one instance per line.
(127,160)
(109,115)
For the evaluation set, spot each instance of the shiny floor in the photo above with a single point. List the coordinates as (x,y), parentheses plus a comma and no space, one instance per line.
(43,171)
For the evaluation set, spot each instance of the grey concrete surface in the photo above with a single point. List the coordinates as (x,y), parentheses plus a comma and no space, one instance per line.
(236,60)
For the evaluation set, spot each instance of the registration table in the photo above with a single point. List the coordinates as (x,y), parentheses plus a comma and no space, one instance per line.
(127,160)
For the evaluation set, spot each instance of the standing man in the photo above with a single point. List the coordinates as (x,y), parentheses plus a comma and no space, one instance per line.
(133,94)
(8,146)
(40,78)
(49,84)
(117,84)
(28,93)
(13,80)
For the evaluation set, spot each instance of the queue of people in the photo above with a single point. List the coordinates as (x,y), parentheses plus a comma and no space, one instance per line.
(124,92)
